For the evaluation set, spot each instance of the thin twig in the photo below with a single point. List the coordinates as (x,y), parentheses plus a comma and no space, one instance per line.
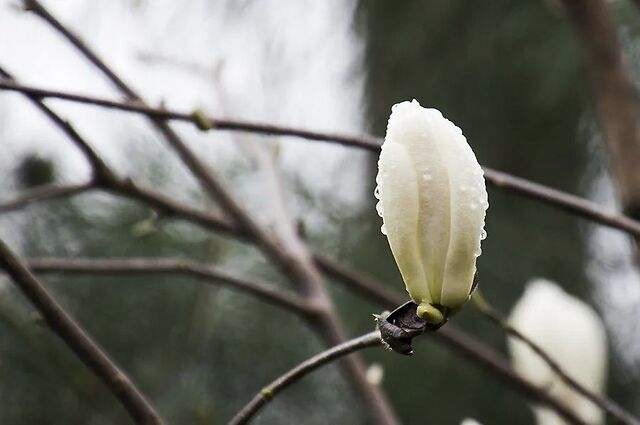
(553,197)
(41,193)
(470,349)
(301,270)
(460,342)
(360,283)
(99,168)
(450,335)
(489,359)
(615,411)
(264,291)
(294,263)
(365,142)
(372,339)
(78,340)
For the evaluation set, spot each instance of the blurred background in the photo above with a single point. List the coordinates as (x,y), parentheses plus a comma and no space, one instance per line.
(511,74)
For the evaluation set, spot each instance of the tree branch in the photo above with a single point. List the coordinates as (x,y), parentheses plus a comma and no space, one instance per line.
(99,168)
(461,343)
(41,193)
(614,410)
(264,291)
(458,341)
(372,339)
(78,340)
(526,188)
(365,142)
(191,160)
(295,264)
(449,335)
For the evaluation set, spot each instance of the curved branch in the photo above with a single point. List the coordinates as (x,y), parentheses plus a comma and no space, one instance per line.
(264,291)
(296,264)
(474,352)
(614,410)
(372,339)
(464,344)
(41,193)
(78,340)
(553,197)
(449,335)
(266,394)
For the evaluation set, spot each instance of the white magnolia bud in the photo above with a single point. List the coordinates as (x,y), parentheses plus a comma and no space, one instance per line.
(573,335)
(433,202)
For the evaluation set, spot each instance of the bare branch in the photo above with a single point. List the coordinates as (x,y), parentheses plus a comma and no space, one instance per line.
(555,198)
(474,350)
(365,142)
(565,201)
(99,168)
(78,340)
(171,207)
(450,335)
(477,352)
(41,193)
(360,283)
(299,268)
(372,339)
(327,324)
(489,359)
(264,291)
(613,409)
(455,338)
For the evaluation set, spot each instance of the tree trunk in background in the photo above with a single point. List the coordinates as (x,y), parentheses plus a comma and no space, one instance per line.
(616,96)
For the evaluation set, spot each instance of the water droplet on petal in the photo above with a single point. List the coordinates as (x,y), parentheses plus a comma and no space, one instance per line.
(379,208)
(383,229)
(483,235)
(376,192)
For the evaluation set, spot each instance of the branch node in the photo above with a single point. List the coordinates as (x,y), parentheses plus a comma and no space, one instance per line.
(200,120)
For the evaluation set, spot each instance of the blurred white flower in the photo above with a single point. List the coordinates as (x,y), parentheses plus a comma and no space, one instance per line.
(573,335)
(375,374)
(433,202)
(469,421)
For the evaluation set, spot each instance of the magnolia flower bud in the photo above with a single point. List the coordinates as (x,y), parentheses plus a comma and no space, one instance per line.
(573,335)
(432,200)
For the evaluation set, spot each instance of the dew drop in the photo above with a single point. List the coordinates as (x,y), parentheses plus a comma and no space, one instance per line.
(483,235)
(376,192)
(383,229)
(379,208)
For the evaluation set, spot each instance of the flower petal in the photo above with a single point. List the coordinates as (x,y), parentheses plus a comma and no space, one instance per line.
(398,193)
